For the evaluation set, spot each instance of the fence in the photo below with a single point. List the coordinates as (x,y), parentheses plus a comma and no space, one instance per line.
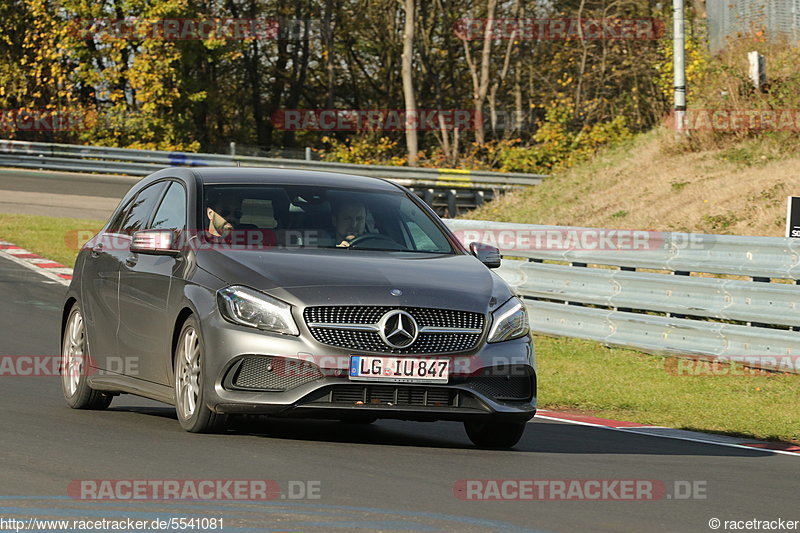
(658,292)
(727,19)
(447,190)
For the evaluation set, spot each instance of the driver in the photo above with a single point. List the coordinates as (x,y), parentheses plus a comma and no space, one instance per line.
(349,221)
(223,214)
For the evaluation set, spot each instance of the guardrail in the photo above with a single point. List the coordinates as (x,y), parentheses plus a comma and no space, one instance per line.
(449,189)
(657,292)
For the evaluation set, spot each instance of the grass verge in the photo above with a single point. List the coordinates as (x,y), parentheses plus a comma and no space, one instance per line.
(627,385)
(58,239)
(574,374)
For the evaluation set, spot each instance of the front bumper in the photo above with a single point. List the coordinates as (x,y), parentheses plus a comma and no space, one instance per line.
(255,372)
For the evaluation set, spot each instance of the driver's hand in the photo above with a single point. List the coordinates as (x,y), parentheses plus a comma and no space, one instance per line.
(346,242)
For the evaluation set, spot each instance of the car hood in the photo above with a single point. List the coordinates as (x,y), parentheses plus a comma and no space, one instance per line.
(360,277)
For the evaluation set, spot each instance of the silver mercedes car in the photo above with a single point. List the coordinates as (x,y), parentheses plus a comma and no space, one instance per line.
(229,291)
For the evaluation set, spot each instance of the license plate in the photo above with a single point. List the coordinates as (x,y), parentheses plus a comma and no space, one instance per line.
(399,369)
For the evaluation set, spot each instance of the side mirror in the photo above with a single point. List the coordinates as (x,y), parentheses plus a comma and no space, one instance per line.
(486,254)
(155,242)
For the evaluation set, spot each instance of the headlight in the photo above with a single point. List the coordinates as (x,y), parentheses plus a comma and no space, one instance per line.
(251,308)
(510,321)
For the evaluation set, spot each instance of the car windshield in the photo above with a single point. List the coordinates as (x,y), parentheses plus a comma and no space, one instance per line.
(292,216)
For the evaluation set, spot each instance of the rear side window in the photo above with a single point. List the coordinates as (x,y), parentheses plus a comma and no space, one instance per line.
(137,216)
(171,213)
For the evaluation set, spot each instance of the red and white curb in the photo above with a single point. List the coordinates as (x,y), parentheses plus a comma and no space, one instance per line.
(50,269)
(63,275)
(670,433)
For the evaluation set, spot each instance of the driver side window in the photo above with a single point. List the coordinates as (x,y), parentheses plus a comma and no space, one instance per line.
(139,213)
(171,213)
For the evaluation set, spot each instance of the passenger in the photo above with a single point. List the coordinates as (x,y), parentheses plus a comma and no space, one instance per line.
(224,224)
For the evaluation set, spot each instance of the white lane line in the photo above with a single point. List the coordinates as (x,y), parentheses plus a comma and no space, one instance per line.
(691,436)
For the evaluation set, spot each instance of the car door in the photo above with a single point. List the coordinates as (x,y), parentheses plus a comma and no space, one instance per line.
(145,332)
(99,288)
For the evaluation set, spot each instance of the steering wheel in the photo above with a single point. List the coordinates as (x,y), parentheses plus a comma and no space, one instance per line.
(375,237)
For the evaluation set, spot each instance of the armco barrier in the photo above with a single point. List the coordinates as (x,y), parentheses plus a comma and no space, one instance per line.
(444,189)
(603,293)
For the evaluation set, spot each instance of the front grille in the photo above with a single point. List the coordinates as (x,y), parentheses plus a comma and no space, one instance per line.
(517,386)
(440,318)
(370,341)
(273,373)
(393,396)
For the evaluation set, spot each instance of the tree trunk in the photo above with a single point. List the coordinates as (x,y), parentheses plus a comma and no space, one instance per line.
(408,85)
(327,24)
(480,80)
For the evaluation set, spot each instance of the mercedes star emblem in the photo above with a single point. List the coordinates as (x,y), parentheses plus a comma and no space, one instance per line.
(398,329)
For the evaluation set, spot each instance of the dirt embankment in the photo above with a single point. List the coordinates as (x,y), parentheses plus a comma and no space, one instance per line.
(650,183)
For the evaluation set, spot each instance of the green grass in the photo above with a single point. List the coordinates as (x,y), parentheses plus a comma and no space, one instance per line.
(624,384)
(573,374)
(58,239)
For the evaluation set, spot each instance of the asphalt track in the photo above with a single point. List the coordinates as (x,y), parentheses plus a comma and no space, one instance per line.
(64,194)
(389,476)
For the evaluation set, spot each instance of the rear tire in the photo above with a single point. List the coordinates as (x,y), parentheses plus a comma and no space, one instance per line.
(193,414)
(75,366)
(493,434)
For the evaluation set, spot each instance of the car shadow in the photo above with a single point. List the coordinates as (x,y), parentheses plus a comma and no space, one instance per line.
(541,436)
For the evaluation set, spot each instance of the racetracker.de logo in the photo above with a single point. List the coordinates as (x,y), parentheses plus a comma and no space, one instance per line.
(511,239)
(176,29)
(731,365)
(382,119)
(578,490)
(311,365)
(246,239)
(46,365)
(42,120)
(176,489)
(736,120)
(559,29)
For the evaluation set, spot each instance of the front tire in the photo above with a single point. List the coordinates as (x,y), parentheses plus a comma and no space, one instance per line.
(193,414)
(75,366)
(494,434)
